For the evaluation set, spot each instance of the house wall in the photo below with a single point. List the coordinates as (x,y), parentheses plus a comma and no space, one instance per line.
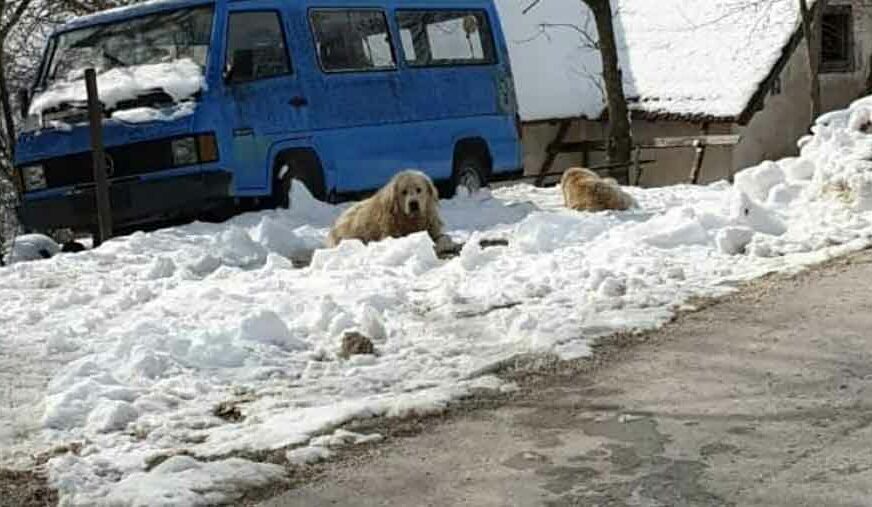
(840,89)
(772,133)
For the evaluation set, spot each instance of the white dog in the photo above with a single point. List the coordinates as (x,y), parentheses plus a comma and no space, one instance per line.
(409,203)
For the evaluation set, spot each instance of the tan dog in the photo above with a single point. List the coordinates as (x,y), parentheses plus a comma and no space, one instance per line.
(584,190)
(409,203)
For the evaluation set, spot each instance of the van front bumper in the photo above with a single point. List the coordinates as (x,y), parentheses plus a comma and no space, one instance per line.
(133,202)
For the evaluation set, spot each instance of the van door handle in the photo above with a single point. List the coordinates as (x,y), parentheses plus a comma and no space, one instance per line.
(298,101)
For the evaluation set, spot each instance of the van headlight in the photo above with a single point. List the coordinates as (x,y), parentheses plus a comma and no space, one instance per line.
(33,177)
(184,151)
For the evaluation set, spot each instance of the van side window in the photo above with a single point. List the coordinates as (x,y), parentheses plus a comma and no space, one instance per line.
(352,40)
(256,46)
(433,38)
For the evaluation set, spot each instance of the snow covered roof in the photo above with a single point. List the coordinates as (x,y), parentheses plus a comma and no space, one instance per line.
(679,58)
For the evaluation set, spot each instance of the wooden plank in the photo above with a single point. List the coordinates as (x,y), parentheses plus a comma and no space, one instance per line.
(637,164)
(699,155)
(578,147)
(604,168)
(689,141)
(551,155)
(698,158)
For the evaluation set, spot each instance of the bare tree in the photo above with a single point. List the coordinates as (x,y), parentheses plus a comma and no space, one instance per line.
(618,131)
(620,142)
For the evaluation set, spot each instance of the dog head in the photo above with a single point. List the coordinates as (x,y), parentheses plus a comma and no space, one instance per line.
(413,194)
(582,173)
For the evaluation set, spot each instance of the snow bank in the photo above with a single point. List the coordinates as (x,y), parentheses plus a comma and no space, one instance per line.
(180,79)
(31,247)
(129,348)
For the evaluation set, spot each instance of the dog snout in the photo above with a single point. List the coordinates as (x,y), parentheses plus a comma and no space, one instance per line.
(414,206)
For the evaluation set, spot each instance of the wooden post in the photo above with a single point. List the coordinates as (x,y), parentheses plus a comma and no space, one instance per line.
(98,153)
(637,166)
(699,146)
(698,157)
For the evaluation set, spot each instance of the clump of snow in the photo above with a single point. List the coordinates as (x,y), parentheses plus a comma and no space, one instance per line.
(130,346)
(757,181)
(414,252)
(733,240)
(180,79)
(150,114)
(267,327)
(112,415)
(31,247)
(307,455)
(182,480)
(746,212)
(341,438)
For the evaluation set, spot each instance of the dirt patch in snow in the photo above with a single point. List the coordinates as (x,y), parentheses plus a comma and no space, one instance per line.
(25,489)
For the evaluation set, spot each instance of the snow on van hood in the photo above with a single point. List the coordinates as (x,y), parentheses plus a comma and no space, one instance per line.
(180,79)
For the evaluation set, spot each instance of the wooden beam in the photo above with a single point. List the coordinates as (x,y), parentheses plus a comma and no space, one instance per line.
(578,147)
(698,157)
(604,168)
(692,141)
(637,164)
(551,154)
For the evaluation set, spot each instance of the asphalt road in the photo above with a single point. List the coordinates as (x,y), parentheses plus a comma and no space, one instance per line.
(764,398)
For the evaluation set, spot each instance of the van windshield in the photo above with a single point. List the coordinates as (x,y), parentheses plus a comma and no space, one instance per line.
(158,38)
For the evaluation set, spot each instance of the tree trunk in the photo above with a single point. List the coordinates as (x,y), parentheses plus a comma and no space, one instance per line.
(811,29)
(620,142)
(6,104)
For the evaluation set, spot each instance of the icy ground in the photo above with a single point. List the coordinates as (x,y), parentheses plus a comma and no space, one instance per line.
(122,353)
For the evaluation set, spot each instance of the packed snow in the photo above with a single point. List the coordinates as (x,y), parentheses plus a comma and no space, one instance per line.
(123,353)
(180,79)
(677,56)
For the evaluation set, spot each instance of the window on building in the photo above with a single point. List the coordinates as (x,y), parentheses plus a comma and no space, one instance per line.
(256,46)
(352,40)
(837,39)
(445,37)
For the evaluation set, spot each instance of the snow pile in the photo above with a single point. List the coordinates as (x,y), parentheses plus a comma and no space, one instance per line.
(180,79)
(128,349)
(31,247)
(150,114)
(677,56)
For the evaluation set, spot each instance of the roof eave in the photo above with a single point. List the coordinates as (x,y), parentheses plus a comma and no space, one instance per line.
(758,99)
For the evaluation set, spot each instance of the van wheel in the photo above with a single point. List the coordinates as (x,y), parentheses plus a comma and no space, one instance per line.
(289,170)
(469,172)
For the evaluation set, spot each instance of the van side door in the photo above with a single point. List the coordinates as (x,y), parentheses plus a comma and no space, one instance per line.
(454,80)
(357,111)
(263,92)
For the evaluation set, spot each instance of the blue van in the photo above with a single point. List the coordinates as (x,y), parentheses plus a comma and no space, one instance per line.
(210,102)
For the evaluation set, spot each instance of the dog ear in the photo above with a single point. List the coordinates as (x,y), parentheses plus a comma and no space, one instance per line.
(434,192)
(392,195)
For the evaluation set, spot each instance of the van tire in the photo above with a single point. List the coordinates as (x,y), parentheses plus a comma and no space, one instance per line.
(303,167)
(470,170)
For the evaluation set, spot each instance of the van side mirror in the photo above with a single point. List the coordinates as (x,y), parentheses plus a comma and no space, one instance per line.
(23,102)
